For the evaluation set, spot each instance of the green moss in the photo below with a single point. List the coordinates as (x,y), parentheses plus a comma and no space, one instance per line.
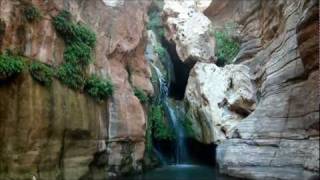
(32,13)
(71,75)
(160,130)
(227,48)
(41,73)
(99,88)
(141,95)
(11,65)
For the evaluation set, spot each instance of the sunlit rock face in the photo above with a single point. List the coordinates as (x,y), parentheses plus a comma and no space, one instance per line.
(113,3)
(189,30)
(56,133)
(279,44)
(202,4)
(218,99)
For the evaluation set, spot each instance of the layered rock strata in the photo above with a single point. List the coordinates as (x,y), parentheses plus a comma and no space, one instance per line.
(280,139)
(57,133)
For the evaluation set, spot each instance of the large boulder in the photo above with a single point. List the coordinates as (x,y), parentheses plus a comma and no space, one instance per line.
(218,99)
(189,30)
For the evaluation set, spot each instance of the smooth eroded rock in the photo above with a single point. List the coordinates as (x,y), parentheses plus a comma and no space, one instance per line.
(189,30)
(218,98)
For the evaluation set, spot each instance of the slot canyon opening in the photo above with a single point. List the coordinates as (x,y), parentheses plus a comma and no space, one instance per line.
(181,71)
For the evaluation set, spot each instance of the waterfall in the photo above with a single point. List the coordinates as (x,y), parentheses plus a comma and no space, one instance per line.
(181,149)
(173,114)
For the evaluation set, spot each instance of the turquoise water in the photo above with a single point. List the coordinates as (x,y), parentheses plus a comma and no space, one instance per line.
(182,172)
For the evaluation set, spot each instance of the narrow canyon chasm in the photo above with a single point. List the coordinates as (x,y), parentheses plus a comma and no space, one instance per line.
(159,89)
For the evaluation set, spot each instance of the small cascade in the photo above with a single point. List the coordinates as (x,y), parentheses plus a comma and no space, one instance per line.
(163,88)
(173,113)
(181,152)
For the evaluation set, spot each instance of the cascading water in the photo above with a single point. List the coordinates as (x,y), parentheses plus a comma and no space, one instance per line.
(181,152)
(172,111)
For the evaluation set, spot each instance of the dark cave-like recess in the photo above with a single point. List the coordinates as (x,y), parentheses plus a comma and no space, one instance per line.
(202,153)
(178,84)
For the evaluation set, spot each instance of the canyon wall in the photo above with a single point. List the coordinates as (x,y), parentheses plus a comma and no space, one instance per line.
(58,133)
(279,44)
(262,112)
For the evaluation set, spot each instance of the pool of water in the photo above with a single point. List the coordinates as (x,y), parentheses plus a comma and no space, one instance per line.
(182,172)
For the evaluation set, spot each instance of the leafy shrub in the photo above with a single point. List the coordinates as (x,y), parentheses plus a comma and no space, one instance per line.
(79,41)
(99,88)
(78,53)
(71,32)
(160,129)
(71,75)
(10,65)
(41,73)
(32,13)
(63,24)
(85,35)
(141,95)
(227,48)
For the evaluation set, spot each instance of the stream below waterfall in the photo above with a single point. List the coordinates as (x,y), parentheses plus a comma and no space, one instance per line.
(182,172)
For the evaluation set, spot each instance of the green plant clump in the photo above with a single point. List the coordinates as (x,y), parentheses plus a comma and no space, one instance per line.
(141,95)
(80,41)
(99,88)
(71,32)
(71,75)
(32,13)
(10,65)
(78,53)
(41,73)
(227,48)
(160,129)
